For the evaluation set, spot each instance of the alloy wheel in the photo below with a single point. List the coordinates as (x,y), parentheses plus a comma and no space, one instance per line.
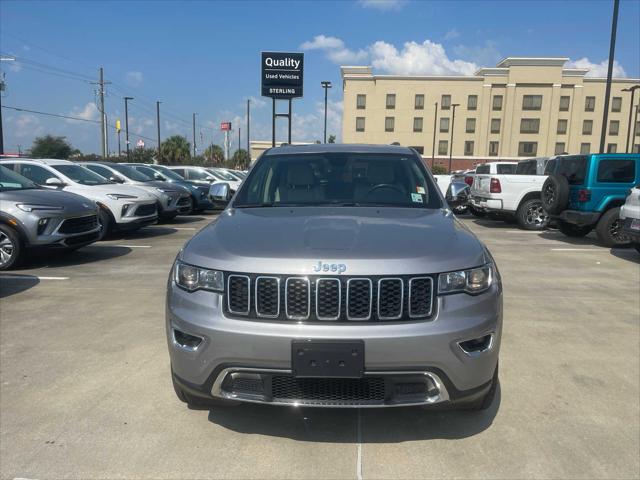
(616,232)
(536,215)
(6,249)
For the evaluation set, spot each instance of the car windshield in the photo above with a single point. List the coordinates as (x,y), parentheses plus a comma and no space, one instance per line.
(81,175)
(167,172)
(340,179)
(226,175)
(216,174)
(131,173)
(10,180)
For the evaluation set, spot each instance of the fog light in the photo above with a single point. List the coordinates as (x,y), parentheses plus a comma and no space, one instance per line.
(477,345)
(186,341)
(125,209)
(42,224)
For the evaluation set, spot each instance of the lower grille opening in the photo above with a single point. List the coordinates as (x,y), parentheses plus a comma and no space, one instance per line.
(186,341)
(328,391)
(477,345)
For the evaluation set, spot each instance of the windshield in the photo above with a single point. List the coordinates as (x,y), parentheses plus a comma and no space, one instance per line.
(226,175)
(81,175)
(342,179)
(216,174)
(130,173)
(167,172)
(10,180)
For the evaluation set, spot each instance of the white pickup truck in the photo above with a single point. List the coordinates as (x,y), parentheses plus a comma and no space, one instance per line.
(514,194)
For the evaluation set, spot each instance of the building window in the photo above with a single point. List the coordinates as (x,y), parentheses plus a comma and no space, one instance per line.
(389,124)
(562,127)
(587,127)
(495,125)
(493,149)
(589,104)
(564,103)
(359,124)
(443,147)
(419,101)
(471,125)
(417,124)
(445,102)
(497,102)
(472,102)
(361,101)
(612,148)
(559,148)
(468,148)
(530,125)
(420,150)
(616,104)
(444,125)
(614,127)
(391,101)
(585,148)
(532,102)
(527,149)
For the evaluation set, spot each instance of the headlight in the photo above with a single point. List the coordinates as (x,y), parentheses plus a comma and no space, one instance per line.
(119,196)
(31,207)
(194,278)
(472,281)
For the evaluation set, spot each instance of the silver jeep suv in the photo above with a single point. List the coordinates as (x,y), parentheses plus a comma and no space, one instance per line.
(337,277)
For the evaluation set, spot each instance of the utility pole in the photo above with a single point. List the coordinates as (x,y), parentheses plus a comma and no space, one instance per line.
(326,85)
(2,88)
(453,123)
(607,93)
(249,128)
(158,123)
(103,116)
(194,134)
(126,125)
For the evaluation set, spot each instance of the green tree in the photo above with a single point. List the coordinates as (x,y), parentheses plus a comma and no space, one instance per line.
(175,150)
(439,170)
(51,147)
(142,155)
(240,160)
(214,155)
(332,139)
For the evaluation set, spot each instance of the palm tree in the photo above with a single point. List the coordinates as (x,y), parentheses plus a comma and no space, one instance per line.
(176,150)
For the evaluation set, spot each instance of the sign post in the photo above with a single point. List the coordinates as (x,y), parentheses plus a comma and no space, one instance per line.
(282,79)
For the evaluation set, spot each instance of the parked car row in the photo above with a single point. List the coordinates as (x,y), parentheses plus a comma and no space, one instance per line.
(576,193)
(66,205)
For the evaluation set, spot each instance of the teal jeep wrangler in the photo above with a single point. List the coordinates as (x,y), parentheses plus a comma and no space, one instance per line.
(583,192)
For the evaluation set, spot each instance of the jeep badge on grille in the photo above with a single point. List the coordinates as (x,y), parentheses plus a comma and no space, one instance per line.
(330,267)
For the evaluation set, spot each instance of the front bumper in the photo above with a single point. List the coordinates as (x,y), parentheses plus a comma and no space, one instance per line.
(577,217)
(425,352)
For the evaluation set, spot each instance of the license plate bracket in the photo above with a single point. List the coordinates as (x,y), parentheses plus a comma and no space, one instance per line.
(327,358)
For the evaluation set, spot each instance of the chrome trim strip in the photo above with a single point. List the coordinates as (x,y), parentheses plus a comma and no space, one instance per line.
(286,299)
(255,297)
(248,295)
(411,315)
(368,317)
(216,389)
(380,317)
(339,297)
(182,347)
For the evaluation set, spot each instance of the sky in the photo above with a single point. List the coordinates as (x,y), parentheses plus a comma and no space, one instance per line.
(204,57)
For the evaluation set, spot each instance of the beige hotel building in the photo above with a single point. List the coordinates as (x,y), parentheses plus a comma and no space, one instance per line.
(524,107)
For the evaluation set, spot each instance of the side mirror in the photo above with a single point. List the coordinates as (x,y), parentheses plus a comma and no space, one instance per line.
(220,194)
(115,179)
(457,194)
(54,182)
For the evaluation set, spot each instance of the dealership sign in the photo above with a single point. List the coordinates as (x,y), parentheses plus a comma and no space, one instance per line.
(225,126)
(282,74)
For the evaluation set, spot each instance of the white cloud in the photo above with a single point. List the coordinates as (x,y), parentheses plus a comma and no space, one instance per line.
(257,102)
(15,67)
(134,78)
(426,58)
(89,112)
(335,49)
(27,125)
(486,55)
(451,34)
(383,5)
(597,69)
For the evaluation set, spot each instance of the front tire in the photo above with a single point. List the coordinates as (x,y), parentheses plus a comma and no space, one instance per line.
(10,247)
(575,231)
(531,215)
(609,229)
(104,219)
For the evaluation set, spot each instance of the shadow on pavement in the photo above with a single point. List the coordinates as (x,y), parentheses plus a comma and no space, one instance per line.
(388,425)
(146,232)
(63,258)
(629,254)
(489,223)
(184,220)
(11,284)
(561,237)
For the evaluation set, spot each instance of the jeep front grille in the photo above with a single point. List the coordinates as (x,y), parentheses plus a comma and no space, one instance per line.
(337,299)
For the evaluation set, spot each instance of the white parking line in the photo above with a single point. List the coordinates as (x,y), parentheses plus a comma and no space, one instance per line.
(183,228)
(132,246)
(359,440)
(27,277)
(579,250)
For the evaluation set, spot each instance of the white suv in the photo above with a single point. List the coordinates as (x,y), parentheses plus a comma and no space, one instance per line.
(630,216)
(122,207)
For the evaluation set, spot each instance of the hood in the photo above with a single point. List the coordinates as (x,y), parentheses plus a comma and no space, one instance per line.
(368,241)
(96,192)
(167,186)
(72,204)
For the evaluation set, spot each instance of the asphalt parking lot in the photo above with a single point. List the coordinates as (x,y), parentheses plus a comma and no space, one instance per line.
(86,393)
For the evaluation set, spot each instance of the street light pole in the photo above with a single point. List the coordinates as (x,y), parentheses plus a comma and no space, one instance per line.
(453,124)
(126,125)
(326,85)
(158,123)
(607,93)
(633,91)
(194,134)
